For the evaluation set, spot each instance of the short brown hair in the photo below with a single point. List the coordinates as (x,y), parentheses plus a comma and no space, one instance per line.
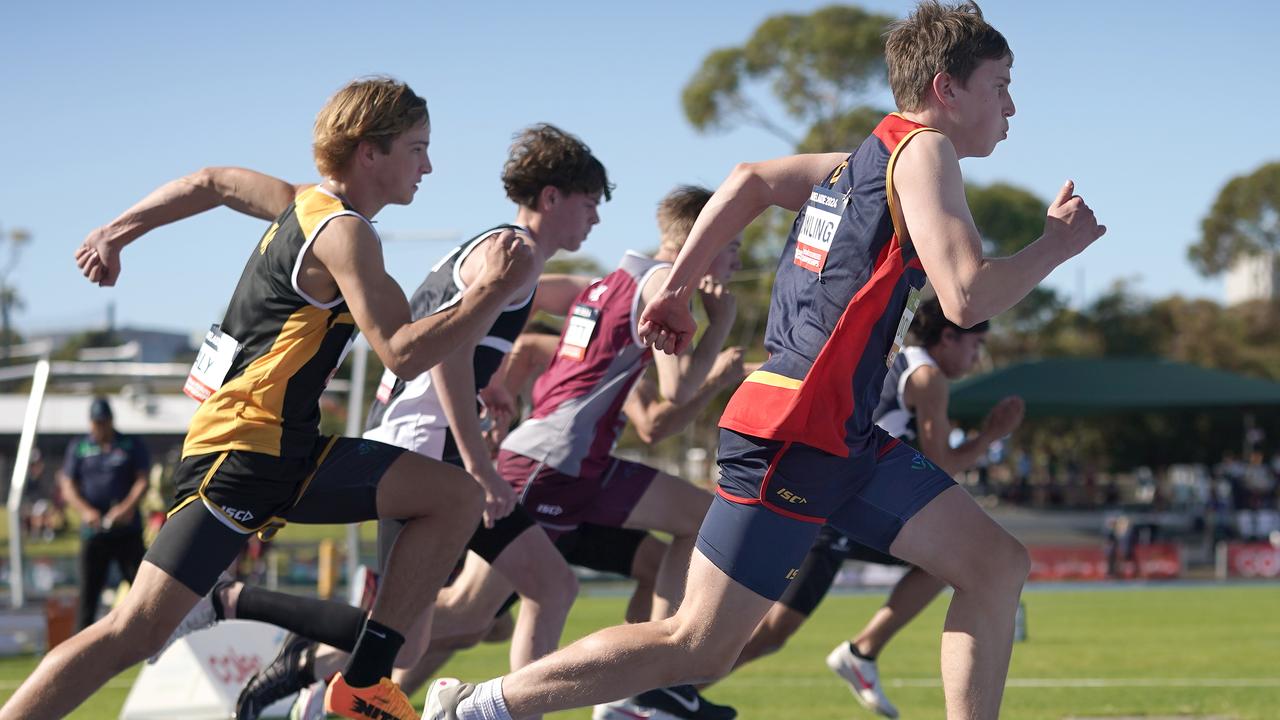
(930,321)
(937,38)
(545,155)
(374,109)
(677,213)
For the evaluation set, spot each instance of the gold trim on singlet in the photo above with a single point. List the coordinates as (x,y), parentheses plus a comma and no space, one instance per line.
(895,213)
(764,377)
(246,412)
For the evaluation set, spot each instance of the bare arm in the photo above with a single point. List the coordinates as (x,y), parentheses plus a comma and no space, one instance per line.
(245,191)
(972,288)
(681,376)
(455,383)
(656,418)
(351,253)
(927,393)
(529,357)
(747,192)
(556,292)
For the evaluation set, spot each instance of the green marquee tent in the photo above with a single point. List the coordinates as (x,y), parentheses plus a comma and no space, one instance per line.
(1093,386)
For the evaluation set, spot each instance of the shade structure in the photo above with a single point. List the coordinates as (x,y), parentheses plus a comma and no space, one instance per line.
(1077,387)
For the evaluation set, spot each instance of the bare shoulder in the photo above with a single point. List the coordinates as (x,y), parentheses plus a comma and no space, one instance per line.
(926,156)
(344,236)
(654,282)
(926,388)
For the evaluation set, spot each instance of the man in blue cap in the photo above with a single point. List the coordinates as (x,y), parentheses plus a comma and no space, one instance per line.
(103,478)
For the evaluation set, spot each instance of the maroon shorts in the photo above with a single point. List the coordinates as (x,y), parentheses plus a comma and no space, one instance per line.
(560,502)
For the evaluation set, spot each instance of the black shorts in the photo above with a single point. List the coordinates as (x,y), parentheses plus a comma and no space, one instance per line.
(818,571)
(601,547)
(222,498)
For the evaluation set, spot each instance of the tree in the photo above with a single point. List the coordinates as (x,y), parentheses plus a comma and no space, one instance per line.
(818,67)
(1244,221)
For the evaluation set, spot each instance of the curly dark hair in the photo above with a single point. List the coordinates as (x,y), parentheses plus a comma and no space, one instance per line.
(545,155)
(930,322)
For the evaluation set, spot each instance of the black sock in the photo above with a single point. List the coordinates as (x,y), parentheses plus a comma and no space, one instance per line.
(854,649)
(374,656)
(325,621)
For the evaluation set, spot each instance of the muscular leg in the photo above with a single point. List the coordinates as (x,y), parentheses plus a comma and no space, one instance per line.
(775,628)
(644,570)
(677,507)
(954,540)
(909,598)
(75,669)
(435,534)
(547,588)
(700,641)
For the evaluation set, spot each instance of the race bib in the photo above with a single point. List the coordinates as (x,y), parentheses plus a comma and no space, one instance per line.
(386,386)
(818,223)
(582,323)
(908,313)
(209,371)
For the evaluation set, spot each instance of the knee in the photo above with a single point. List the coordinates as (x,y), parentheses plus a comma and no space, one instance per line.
(1003,567)
(704,657)
(141,636)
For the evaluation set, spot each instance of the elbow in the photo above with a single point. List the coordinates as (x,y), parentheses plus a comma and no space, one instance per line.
(959,307)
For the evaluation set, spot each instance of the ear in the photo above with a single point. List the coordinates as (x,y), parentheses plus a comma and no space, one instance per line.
(548,198)
(943,89)
(365,152)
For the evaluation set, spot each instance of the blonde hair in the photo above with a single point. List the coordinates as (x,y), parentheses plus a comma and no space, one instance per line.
(677,213)
(937,38)
(374,109)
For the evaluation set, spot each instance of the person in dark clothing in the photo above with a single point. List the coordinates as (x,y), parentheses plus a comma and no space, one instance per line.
(103,478)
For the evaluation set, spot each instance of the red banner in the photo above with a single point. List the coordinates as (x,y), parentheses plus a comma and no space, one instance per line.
(1068,562)
(1253,560)
(1156,561)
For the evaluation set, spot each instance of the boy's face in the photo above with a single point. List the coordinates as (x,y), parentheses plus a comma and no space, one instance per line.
(727,262)
(400,170)
(983,107)
(958,352)
(570,218)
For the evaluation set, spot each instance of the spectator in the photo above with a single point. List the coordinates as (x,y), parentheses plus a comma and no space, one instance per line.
(103,478)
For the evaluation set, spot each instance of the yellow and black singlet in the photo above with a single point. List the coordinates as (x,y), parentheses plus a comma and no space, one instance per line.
(292,344)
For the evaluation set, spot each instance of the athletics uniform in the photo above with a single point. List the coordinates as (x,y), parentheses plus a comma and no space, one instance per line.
(798,447)
(558,458)
(253,455)
(408,413)
(832,548)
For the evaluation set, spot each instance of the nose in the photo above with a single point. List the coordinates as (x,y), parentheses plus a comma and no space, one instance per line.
(1009,108)
(426,165)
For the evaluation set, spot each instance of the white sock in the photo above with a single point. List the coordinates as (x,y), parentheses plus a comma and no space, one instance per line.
(485,703)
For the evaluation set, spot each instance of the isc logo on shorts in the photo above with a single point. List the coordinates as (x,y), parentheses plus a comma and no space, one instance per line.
(240,516)
(791,497)
(552,510)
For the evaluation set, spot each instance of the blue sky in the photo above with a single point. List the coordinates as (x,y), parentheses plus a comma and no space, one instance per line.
(1151,109)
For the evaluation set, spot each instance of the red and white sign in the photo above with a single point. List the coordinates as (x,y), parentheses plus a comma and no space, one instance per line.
(1068,562)
(1252,560)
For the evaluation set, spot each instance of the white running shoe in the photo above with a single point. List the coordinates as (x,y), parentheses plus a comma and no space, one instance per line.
(624,710)
(863,679)
(199,617)
(310,703)
(443,698)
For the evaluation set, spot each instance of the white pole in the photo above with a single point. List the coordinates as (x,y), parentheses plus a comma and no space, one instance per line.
(39,380)
(355,424)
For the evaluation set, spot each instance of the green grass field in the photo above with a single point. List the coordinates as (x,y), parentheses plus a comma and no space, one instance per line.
(1092,653)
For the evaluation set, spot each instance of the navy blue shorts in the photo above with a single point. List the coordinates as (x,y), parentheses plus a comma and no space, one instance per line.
(775,496)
